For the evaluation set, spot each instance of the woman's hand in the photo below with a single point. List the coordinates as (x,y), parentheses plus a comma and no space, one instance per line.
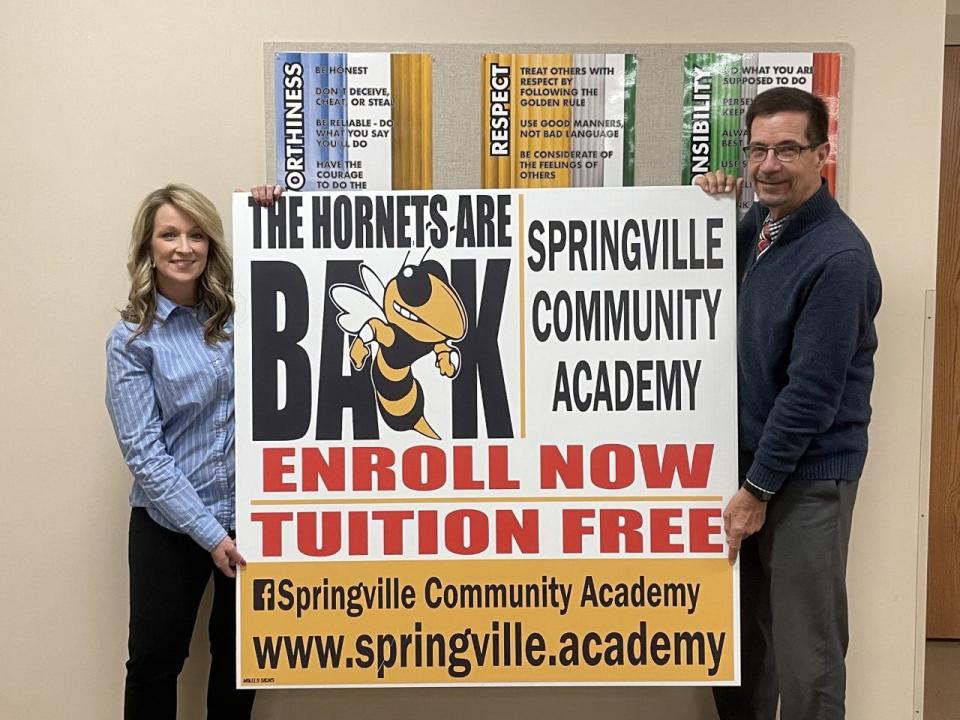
(265,195)
(226,557)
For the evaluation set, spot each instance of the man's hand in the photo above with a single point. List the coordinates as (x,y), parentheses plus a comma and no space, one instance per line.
(226,557)
(743,516)
(718,182)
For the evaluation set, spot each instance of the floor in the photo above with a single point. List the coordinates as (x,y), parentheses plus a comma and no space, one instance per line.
(941,692)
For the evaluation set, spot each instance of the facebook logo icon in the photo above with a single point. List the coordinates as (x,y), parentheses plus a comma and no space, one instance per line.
(263,594)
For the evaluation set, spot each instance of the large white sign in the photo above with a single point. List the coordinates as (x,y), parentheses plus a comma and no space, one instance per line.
(486,437)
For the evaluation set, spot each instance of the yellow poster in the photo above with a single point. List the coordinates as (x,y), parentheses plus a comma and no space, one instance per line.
(558,120)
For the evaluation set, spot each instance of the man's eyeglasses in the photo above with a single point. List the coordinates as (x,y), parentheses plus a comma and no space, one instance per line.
(787,152)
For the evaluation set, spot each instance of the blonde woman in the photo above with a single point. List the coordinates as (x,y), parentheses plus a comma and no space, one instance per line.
(170,397)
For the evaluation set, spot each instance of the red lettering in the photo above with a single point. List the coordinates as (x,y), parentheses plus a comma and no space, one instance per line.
(274,468)
(370,461)
(357,536)
(706,524)
(575,528)
(463,478)
(498,467)
(554,465)
(331,469)
(513,531)
(623,473)
(427,532)
(413,462)
(462,541)
(307,533)
(676,462)
(271,531)
(617,524)
(499,460)
(662,530)
(392,529)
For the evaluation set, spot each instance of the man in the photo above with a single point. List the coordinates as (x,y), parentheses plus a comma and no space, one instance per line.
(808,294)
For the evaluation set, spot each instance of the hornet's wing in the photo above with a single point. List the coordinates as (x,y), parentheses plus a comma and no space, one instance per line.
(373,284)
(357,308)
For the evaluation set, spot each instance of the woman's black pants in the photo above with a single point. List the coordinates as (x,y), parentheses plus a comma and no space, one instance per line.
(168,575)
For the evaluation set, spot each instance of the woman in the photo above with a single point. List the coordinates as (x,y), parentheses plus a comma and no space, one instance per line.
(170,397)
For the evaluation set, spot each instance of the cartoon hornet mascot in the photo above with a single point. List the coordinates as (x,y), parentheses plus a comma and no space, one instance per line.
(415,313)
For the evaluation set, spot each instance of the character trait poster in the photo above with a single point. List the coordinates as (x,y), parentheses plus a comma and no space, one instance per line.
(718,89)
(353,121)
(558,120)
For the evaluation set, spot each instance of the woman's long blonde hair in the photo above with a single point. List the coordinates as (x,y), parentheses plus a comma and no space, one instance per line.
(216,282)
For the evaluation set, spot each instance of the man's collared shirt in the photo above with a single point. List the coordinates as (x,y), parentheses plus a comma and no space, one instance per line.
(774,230)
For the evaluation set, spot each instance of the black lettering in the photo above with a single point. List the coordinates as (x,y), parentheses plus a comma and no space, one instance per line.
(267,280)
(335,390)
(480,351)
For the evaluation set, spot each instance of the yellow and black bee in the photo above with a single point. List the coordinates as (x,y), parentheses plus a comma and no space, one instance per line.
(415,313)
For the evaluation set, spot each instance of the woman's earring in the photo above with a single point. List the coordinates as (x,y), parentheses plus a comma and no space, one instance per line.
(153,263)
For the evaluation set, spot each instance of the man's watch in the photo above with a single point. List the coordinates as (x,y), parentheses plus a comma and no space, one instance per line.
(759,493)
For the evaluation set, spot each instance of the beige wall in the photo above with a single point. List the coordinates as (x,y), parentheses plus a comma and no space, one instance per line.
(102,101)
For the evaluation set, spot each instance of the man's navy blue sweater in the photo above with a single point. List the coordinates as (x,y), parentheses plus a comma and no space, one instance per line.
(805,343)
